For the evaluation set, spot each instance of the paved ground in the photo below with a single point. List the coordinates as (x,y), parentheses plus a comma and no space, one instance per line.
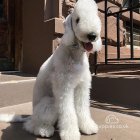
(15,88)
(14,76)
(15,97)
(113,126)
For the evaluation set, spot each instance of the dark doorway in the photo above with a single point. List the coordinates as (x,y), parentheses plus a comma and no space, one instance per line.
(10,26)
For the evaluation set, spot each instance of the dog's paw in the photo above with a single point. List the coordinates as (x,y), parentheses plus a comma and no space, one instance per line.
(47,131)
(89,127)
(70,135)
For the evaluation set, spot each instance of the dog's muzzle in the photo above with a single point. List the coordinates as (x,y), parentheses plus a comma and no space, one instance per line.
(88,46)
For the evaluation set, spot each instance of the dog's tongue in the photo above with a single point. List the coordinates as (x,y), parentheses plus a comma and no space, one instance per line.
(88,46)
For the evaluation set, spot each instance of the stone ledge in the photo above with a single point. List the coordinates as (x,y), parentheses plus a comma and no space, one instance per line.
(56,25)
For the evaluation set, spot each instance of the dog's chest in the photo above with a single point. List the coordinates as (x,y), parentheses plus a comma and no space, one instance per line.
(76,67)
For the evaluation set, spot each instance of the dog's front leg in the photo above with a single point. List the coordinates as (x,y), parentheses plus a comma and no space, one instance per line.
(82,105)
(64,99)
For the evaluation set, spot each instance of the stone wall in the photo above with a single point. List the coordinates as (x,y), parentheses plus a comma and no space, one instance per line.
(43,28)
(41,32)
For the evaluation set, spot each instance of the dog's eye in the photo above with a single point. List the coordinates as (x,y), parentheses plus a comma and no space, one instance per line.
(77,20)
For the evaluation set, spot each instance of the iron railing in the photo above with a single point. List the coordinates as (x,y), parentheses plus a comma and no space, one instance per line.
(131,7)
(117,15)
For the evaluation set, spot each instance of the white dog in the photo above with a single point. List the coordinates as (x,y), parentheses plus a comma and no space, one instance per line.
(63,84)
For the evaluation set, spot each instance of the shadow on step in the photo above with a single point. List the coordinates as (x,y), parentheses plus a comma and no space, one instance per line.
(16,132)
(116,108)
(117,93)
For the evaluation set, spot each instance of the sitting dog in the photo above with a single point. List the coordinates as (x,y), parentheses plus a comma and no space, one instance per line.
(62,88)
(63,84)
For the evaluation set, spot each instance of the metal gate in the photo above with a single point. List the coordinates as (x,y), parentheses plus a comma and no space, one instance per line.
(128,6)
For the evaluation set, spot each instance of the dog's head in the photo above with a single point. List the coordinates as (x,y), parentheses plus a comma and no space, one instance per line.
(83,25)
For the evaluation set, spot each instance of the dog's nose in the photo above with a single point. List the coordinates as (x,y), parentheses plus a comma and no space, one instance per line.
(91,36)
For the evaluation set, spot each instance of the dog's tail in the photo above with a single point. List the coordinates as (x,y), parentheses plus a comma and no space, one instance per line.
(11,118)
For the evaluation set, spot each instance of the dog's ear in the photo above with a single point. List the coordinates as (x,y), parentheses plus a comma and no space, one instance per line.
(67,22)
(68,38)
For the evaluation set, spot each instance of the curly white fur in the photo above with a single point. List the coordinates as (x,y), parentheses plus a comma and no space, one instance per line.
(63,84)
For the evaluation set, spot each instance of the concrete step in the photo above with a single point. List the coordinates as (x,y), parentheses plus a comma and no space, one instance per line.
(112,125)
(120,87)
(117,87)
(103,68)
(15,88)
(16,96)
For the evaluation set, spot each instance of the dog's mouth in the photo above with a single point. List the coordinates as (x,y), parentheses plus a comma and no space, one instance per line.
(87,46)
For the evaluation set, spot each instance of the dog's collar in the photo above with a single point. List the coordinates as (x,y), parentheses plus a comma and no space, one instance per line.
(72,27)
(76,40)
